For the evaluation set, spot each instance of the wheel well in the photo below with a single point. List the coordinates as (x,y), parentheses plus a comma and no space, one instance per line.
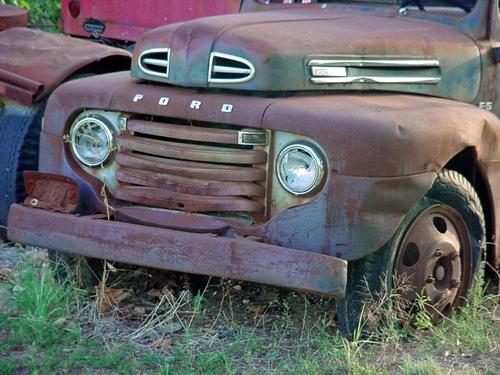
(466,164)
(106,65)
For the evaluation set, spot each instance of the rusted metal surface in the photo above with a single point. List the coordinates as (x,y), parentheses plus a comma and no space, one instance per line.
(127,21)
(282,61)
(18,88)
(435,258)
(180,251)
(190,169)
(380,159)
(186,202)
(184,133)
(11,16)
(191,152)
(170,219)
(33,63)
(188,185)
(383,150)
(211,174)
(51,192)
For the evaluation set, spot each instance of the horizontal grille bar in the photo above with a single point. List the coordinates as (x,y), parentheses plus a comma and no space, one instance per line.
(188,185)
(192,152)
(187,202)
(187,133)
(198,170)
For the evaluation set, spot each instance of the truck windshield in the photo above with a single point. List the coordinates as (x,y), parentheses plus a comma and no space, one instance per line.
(465,5)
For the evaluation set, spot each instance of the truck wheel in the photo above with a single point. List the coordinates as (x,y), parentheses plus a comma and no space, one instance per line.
(19,141)
(436,251)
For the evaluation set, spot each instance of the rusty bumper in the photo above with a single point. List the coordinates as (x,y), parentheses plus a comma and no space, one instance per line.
(236,258)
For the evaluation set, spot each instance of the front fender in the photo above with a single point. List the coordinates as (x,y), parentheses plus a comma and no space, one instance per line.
(388,135)
(353,216)
(33,63)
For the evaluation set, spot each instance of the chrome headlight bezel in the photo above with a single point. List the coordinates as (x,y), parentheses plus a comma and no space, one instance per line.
(317,156)
(109,133)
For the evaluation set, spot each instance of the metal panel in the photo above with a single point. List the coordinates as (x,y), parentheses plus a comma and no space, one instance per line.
(236,258)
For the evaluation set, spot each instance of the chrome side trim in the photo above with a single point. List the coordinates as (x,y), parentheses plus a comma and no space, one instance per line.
(212,68)
(163,63)
(417,63)
(367,79)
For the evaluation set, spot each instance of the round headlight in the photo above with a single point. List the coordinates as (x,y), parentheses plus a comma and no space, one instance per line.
(300,168)
(92,140)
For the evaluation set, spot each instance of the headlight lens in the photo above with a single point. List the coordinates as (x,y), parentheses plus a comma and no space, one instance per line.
(92,140)
(300,168)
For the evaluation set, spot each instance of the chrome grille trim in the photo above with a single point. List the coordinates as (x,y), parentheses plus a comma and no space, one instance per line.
(225,68)
(373,70)
(151,63)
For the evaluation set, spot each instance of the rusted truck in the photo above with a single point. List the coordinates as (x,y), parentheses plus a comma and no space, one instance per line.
(325,146)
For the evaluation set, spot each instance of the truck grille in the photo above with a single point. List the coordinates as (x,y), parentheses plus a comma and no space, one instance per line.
(194,168)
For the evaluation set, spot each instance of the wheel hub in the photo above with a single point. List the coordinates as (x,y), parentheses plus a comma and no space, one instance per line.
(431,257)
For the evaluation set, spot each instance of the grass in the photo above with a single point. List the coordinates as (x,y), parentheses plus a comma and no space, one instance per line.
(47,327)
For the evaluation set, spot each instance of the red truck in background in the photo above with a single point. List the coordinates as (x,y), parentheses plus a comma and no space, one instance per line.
(121,23)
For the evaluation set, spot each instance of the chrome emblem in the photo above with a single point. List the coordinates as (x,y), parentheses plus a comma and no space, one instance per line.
(138,98)
(195,104)
(163,101)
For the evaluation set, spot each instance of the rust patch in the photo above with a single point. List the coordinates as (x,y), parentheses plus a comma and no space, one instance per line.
(50,192)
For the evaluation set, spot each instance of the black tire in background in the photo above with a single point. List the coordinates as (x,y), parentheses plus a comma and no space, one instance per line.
(20,128)
(451,192)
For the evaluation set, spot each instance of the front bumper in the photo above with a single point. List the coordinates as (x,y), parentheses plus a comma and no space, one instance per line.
(236,258)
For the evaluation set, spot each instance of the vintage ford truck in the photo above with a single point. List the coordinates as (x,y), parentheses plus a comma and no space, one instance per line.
(317,145)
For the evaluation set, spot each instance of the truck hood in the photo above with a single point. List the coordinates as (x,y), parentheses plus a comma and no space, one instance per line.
(315,49)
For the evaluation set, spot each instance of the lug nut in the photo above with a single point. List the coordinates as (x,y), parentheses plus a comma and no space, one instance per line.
(455,283)
(454,255)
(438,253)
(430,280)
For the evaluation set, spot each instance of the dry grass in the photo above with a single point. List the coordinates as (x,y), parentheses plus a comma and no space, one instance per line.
(143,321)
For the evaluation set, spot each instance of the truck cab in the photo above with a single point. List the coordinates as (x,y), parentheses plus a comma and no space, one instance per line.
(325,146)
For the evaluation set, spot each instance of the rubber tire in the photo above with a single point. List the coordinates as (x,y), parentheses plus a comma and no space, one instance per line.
(450,188)
(19,134)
